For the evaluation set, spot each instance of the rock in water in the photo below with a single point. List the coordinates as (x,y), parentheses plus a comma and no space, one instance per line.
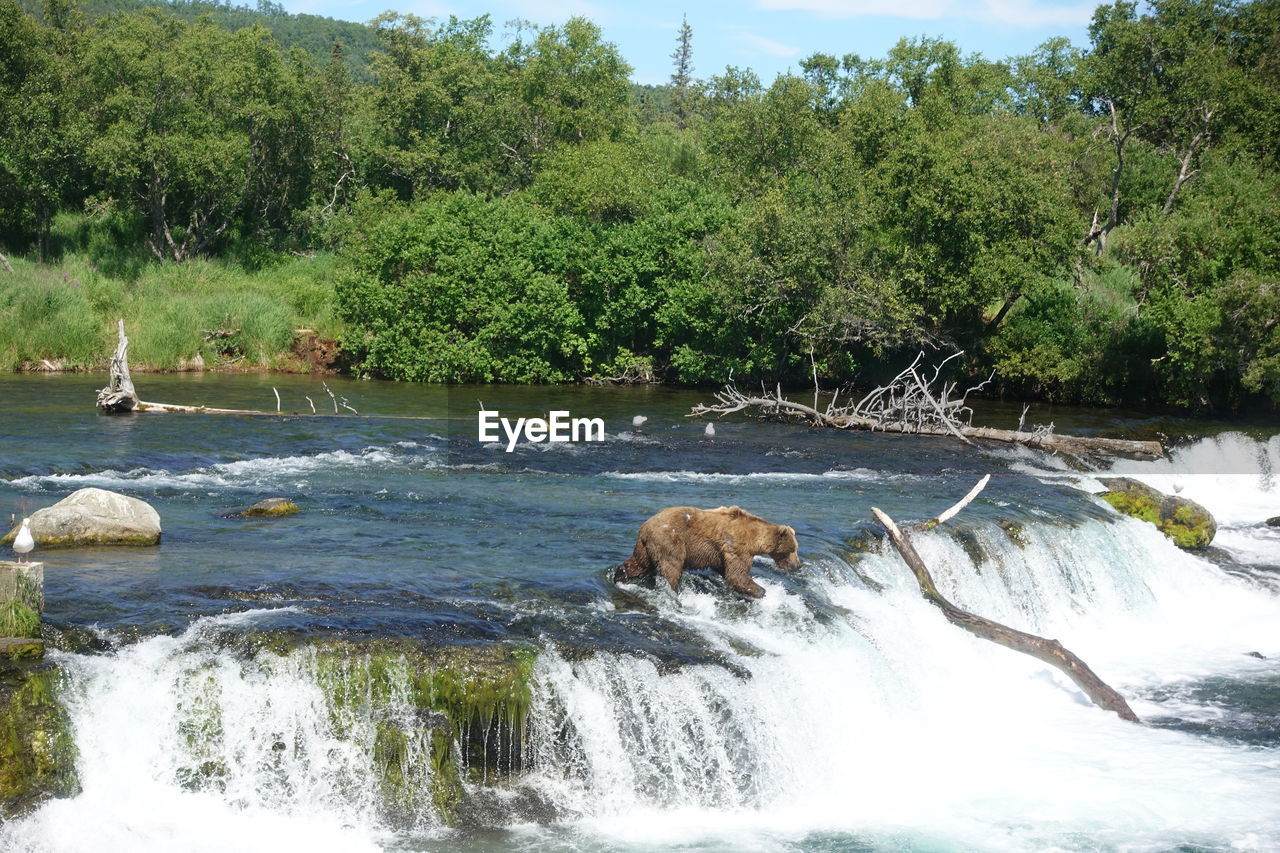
(1184,521)
(270,508)
(94,517)
(1274,522)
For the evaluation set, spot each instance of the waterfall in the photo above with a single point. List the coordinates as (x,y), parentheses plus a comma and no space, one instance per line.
(844,707)
(892,722)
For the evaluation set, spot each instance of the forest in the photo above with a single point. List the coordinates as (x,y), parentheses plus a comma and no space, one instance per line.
(471,201)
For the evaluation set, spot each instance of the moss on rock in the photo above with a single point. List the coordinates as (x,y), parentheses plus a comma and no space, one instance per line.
(269,508)
(37,750)
(1016,531)
(1185,522)
(448,715)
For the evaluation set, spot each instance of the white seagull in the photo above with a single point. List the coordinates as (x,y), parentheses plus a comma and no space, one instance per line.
(638,421)
(710,430)
(1178,487)
(23,543)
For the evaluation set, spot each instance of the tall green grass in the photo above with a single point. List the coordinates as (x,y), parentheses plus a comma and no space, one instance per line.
(67,310)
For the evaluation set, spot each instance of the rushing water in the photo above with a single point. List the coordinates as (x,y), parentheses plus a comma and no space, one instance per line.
(839,713)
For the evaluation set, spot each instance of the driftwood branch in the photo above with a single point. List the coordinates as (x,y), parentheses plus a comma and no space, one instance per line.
(1049,651)
(951,513)
(119,395)
(917,404)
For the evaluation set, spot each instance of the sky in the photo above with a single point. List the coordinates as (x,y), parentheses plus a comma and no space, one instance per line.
(767,36)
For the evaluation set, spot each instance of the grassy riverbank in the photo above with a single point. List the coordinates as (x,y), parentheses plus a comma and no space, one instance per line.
(224,313)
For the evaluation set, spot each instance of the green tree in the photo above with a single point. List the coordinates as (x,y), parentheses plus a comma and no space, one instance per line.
(438,107)
(569,86)
(197,128)
(682,74)
(41,135)
(1046,84)
(462,289)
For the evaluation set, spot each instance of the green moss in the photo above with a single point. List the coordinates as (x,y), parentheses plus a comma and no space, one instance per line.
(1189,528)
(37,751)
(469,711)
(1183,523)
(972,547)
(274,508)
(1134,504)
(74,542)
(19,651)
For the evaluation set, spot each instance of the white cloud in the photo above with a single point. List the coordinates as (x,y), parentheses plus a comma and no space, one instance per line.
(1016,13)
(760,44)
(1028,13)
(546,11)
(923,9)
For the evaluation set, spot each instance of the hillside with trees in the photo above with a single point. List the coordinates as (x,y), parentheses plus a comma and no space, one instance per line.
(1095,224)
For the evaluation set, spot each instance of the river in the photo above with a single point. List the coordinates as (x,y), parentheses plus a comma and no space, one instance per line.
(841,712)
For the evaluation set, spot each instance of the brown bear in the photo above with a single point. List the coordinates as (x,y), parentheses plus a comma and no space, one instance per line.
(724,539)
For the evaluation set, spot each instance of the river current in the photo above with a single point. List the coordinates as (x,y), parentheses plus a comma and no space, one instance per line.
(839,713)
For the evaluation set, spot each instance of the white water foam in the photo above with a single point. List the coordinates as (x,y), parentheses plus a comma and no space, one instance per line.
(182,747)
(860,474)
(892,724)
(1234,476)
(247,473)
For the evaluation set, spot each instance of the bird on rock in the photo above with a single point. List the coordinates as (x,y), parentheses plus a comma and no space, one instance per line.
(638,421)
(23,543)
(710,431)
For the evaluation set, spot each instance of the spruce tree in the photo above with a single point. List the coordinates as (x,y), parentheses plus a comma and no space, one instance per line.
(682,76)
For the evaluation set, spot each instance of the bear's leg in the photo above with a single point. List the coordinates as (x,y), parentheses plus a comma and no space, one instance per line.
(737,573)
(671,568)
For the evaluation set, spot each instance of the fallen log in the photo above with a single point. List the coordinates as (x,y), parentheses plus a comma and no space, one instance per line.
(914,405)
(120,397)
(1051,652)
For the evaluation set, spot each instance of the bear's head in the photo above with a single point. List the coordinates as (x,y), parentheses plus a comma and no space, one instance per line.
(784,547)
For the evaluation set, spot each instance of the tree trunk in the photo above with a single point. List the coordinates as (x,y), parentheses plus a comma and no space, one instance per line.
(119,395)
(4,262)
(1049,651)
(1098,233)
(1185,172)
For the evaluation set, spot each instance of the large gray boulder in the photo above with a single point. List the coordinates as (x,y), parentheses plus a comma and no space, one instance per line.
(94,517)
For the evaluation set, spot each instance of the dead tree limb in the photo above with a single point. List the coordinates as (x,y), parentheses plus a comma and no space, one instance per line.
(1049,651)
(916,404)
(4,262)
(119,395)
(951,513)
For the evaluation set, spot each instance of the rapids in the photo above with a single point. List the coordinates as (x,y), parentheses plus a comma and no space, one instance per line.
(839,713)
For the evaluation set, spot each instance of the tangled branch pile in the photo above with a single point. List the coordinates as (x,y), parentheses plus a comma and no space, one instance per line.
(913,404)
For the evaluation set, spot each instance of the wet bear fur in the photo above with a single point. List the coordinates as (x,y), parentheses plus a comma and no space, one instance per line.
(724,539)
